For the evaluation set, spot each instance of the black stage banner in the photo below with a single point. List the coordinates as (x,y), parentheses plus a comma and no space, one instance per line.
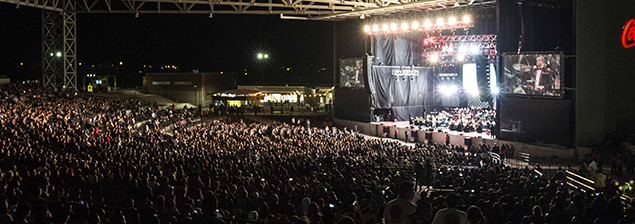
(403,90)
(398,49)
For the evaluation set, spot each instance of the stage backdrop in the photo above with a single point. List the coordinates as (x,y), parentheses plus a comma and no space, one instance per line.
(398,49)
(404,90)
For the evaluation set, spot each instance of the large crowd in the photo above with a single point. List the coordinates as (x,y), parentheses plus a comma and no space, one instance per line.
(68,158)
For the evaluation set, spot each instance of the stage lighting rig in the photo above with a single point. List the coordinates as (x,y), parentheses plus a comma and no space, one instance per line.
(428,26)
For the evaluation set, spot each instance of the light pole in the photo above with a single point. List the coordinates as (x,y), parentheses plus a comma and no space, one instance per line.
(195,92)
(261,57)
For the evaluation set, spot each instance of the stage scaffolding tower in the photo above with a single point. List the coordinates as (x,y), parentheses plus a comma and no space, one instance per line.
(59,46)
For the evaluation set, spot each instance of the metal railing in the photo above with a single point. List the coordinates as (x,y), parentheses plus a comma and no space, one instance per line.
(586,185)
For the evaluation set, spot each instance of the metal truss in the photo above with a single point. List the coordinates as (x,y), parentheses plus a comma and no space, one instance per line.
(59,47)
(51,43)
(70,45)
(302,9)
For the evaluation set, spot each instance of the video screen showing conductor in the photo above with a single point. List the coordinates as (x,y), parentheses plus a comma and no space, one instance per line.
(533,74)
(352,73)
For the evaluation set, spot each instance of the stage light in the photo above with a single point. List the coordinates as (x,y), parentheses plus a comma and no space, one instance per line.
(404,26)
(384,27)
(375,28)
(495,90)
(463,49)
(260,56)
(266,56)
(473,92)
(415,25)
(393,27)
(474,49)
(367,29)
(362,16)
(456,4)
(439,22)
(427,24)
(466,19)
(460,57)
(58,54)
(434,58)
(448,90)
(452,20)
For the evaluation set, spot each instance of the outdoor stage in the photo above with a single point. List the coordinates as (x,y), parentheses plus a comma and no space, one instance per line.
(376,129)
(424,134)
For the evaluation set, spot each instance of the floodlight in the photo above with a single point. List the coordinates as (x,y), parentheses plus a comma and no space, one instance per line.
(367,29)
(393,27)
(452,20)
(495,90)
(463,49)
(466,19)
(415,25)
(259,56)
(434,58)
(427,24)
(375,28)
(404,26)
(474,49)
(439,22)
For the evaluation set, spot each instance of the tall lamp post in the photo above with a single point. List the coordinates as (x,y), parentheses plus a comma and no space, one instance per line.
(195,93)
(262,67)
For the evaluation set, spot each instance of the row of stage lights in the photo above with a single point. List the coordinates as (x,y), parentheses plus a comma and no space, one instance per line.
(441,24)
(459,57)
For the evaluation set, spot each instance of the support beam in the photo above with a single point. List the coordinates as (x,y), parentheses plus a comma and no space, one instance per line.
(59,47)
(51,45)
(70,50)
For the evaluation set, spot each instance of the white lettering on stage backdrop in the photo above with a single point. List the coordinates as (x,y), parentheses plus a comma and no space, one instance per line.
(405,72)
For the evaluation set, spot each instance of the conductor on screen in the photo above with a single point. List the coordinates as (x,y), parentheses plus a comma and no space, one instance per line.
(352,74)
(358,71)
(545,76)
(533,74)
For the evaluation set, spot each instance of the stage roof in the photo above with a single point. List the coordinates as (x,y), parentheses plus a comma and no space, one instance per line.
(330,10)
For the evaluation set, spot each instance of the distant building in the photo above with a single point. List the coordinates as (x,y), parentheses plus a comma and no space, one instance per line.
(4,80)
(194,88)
(275,95)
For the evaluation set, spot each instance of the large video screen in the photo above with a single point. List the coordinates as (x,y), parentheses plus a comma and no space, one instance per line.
(352,73)
(536,74)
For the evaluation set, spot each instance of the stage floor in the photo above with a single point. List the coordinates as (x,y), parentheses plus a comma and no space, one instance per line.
(404,124)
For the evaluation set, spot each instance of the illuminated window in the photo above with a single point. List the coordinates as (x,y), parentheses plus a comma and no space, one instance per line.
(160,83)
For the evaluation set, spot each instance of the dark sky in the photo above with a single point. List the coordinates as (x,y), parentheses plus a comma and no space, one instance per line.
(224,43)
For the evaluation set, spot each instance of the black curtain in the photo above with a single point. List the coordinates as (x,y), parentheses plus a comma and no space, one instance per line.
(398,49)
(403,94)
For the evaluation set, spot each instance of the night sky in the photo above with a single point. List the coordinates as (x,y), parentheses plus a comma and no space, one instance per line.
(226,43)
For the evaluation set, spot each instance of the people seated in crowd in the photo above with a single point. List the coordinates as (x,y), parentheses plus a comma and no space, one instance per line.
(471,119)
(87,159)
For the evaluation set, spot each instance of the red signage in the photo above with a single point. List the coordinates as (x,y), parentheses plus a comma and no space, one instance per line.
(629,34)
